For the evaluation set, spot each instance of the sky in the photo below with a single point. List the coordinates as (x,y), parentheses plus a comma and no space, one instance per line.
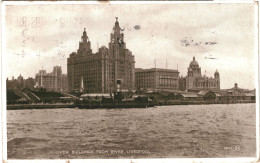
(219,36)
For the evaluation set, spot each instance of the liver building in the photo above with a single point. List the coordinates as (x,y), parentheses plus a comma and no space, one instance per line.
(194,81)
(100,72)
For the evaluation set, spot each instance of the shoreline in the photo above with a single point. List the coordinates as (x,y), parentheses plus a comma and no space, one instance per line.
(38,106)
(96,105)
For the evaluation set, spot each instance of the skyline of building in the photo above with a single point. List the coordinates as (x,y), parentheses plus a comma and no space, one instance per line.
(194,81)
(100,71)
(174,37)
(193,71)
(185,83)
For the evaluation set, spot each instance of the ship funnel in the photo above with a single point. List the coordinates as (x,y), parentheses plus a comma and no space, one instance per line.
(118,84)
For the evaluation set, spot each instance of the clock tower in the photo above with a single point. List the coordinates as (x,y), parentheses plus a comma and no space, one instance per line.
(117,38)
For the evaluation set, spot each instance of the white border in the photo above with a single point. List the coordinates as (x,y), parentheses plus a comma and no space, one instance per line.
(1,111)
(179,160)
(124,2)
(3,86)
(257,61)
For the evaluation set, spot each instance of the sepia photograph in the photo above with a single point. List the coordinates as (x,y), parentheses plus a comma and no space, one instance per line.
(121,80)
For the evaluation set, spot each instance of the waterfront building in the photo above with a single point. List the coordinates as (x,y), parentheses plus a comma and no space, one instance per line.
(29,83)
(235,93)
(100,72)
(156,79)
(54,81)
(194,81)
(13,83)
(19,83)
(189,96)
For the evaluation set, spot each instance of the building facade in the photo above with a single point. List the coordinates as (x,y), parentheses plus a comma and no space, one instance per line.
(156,79)
(54,81)
(64,83)
(100,72)
(194,81)
(20,83)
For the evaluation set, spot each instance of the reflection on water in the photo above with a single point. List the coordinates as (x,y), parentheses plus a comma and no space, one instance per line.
(159,132)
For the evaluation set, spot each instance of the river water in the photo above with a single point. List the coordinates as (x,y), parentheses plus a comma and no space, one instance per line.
(160,132)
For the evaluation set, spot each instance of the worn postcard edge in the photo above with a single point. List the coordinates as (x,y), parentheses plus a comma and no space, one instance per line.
(3,131)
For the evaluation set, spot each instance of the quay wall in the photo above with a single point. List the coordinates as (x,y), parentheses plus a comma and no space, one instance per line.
(38,106)
(95,105)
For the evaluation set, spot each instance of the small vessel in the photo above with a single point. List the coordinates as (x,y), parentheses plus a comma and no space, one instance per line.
(93,101)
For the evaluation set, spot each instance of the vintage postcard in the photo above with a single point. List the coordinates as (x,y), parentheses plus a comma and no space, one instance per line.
(128,81)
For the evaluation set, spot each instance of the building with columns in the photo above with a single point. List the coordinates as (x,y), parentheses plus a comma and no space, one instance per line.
(194,81)
(100,72)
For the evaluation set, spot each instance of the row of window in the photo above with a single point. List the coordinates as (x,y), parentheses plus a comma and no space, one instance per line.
(157,87)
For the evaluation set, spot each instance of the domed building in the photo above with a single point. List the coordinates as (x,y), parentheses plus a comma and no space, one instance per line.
(195,82)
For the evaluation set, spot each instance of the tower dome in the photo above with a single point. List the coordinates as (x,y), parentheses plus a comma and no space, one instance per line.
(194,62)
(216,74)
(117,27)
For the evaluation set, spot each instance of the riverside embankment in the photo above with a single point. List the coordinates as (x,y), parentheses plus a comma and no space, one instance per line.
(96,104)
